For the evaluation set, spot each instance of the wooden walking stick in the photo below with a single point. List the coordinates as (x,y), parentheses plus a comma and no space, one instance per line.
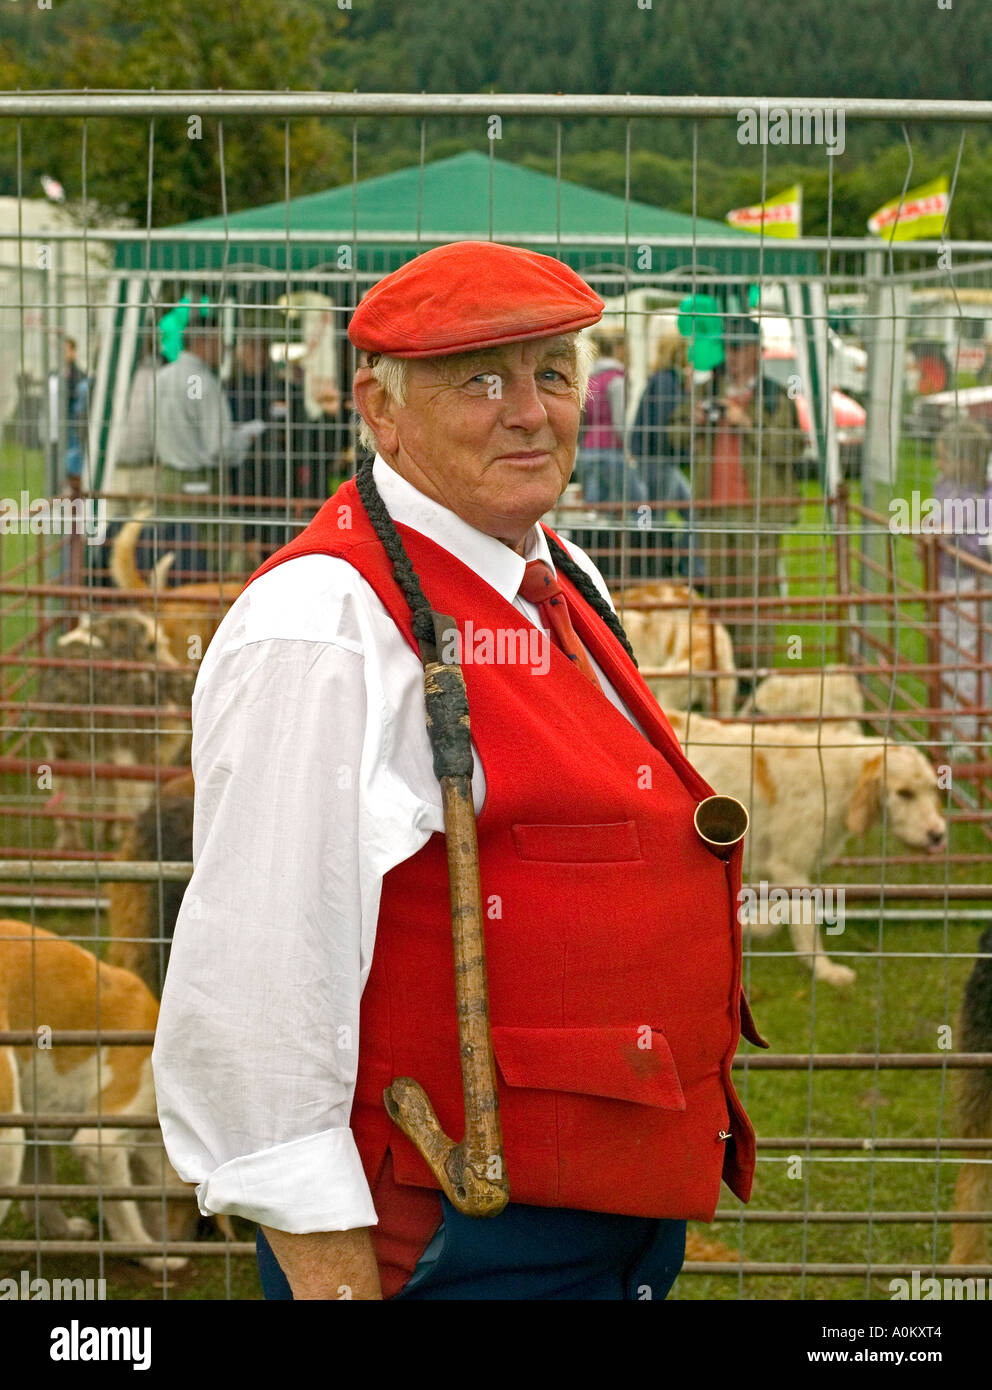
(472,1173)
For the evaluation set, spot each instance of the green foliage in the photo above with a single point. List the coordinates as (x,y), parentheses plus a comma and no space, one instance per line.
(183,46)
(890,48)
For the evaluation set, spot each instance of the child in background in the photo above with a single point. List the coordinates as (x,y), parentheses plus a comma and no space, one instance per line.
(965,625)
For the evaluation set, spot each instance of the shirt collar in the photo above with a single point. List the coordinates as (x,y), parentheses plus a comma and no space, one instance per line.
(500,567)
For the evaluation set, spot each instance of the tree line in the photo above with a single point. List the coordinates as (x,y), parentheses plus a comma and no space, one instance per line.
(817,49)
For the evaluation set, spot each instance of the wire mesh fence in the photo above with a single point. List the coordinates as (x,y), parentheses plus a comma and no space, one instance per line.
(795,533)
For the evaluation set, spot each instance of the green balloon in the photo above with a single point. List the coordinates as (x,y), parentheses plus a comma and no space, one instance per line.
(699,320)
(172,327)
(706,353)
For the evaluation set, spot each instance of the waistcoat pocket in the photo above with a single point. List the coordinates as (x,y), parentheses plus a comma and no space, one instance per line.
(578,844)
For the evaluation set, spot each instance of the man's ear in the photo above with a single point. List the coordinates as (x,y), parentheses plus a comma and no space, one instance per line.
(375,407)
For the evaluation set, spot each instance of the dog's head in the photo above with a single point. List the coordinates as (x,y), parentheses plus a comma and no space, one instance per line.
(126,635)
(902,779)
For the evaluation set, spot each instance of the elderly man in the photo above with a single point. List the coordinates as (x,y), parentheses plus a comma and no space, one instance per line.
(312,961)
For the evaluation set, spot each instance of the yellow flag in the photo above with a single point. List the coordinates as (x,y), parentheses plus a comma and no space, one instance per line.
(922,214)
(778,216)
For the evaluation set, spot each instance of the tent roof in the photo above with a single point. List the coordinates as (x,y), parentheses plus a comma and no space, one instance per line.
(468,195)
(454,196)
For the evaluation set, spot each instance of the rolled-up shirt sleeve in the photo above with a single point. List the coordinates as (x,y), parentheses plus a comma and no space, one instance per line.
(256,1051)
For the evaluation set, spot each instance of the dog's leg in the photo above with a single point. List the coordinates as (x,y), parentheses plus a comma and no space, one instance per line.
(105,1160)
(727,696)
(974,1185)
(177,1216)
(759,929)
(68,832)
(127,800)
(972,1193)
(49,1214)
(805,930)
(11,1140)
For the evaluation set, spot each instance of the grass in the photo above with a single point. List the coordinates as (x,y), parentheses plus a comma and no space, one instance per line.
(27,558)
(899,1003)
(872,1017)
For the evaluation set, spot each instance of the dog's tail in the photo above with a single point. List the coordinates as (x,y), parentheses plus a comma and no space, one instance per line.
(123,570)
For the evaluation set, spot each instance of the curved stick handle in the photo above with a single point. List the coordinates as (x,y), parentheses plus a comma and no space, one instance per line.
(470,1192)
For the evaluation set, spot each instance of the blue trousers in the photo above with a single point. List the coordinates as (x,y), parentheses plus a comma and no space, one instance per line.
(532,1253)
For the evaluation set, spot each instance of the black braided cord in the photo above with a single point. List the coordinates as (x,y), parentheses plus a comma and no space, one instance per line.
(406,576)
(403,571)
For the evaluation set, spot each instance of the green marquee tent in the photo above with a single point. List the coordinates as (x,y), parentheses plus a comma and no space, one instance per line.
(343,239)
(469,195)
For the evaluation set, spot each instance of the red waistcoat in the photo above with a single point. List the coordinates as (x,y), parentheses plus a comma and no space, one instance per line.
(612,941)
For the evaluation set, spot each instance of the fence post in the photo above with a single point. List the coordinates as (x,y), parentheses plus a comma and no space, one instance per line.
(842,550)
(888,303)
(932,608)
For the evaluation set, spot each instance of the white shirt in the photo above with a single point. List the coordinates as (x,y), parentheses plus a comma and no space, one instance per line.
(314,778)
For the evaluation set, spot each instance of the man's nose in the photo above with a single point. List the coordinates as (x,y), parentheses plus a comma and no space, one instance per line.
(523,407)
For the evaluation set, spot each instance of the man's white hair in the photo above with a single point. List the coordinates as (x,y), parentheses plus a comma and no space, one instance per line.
(393,375)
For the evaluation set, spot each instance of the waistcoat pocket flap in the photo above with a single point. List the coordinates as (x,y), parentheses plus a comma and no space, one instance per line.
(631,1063)
(578,844)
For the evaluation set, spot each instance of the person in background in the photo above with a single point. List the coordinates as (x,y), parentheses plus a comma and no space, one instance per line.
(259,392)
(68,389)
(605,472)
(966,622)
(659,462)
(320,437)
(179,437)
(297,456)
(742,436)
(196,439)
(77,386)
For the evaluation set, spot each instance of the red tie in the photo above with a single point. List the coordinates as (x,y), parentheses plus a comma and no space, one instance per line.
(540,587)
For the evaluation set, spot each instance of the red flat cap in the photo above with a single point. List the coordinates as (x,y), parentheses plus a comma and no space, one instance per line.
(471,294)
